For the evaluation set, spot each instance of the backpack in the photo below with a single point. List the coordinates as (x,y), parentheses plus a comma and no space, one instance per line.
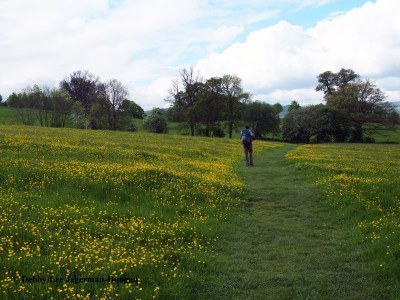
(246,137)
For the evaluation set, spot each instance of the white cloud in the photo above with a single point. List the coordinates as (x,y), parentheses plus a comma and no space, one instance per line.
(288,58)
(388,83)
(392,96)
(141,43)
(285,97)
(154,93)
(137,42)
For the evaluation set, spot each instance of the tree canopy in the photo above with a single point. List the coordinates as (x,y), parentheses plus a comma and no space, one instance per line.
(293,105)
(262,117)
(206,104)
(316,123)
(328,82)
(361,99)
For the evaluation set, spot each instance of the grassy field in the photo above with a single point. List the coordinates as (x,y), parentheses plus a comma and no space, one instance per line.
(7,116)
(362,184)
(166,216)
(300,237)
(384,134)
(80,205)
(388,136)
(379,133)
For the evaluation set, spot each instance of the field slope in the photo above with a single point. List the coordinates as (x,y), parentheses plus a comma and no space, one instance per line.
(100,214)
(310,233)
(110,214)
(7,116)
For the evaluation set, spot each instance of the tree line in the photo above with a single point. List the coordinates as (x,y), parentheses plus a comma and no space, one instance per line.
(80,98)
(213,107)
(208,107)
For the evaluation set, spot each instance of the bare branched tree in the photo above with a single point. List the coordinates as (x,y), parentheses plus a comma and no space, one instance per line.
(116,93)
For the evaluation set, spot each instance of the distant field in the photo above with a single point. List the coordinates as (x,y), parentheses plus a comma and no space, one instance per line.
(381,134)
(361,182)
(140,208)
(385,134)
(7,116)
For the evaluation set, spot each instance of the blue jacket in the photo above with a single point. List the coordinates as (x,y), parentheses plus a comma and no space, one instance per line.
(247,136)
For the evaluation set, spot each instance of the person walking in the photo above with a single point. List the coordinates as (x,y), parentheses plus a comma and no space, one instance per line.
(247,142)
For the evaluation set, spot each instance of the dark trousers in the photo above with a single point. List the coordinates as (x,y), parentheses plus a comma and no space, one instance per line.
(248,153)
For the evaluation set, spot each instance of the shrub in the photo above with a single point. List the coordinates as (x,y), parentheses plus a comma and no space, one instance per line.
(132,127)
(156,122)
(212,130)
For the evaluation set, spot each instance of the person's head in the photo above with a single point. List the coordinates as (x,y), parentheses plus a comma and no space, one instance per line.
(247,127)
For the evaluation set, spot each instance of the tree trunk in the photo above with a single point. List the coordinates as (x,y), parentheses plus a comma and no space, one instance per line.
(230,129)
(114,120)
(191,129)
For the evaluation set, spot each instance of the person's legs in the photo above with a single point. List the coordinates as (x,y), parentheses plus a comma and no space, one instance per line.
(246,154)
(250,148)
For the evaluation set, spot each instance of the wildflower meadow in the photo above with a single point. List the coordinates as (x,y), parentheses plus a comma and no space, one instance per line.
(88,214)
(362,184)
(102,214)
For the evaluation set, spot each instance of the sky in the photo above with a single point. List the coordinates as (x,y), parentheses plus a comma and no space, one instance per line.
(277,48)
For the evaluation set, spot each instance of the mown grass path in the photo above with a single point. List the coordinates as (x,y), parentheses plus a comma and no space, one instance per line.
(288,243)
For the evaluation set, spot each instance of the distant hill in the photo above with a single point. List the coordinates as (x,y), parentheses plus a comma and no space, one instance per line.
(284,111)
(397,104)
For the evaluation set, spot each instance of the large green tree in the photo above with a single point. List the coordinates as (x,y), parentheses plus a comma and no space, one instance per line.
(234,96)
(210,108)
(316,123)
(128,111)
(132,109)
(84,87)
(394,118)
(361,99)
(293,105)
(262,117)
(329,82)
(365,104)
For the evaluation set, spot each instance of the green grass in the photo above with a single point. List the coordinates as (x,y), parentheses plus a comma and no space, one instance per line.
(384,134)
(7,116)
(361,184)
(190,234)
(290,243)
(388,136)
(170,211)
(92,204)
